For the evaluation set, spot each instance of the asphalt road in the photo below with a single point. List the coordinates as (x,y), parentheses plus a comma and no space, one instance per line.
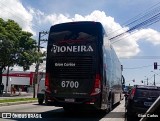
(58,114)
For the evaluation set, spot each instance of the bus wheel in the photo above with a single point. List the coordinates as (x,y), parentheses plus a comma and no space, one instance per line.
(105,111)
(46,101)
(40,101)
(68,109)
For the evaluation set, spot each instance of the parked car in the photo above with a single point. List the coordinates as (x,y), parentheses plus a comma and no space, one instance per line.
(154,111)
(41,91)
(141,98)
(125,90)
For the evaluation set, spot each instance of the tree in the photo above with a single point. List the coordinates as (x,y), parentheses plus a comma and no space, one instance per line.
(16,46)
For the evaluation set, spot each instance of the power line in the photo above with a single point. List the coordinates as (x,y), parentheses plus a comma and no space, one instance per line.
(140,67)
(20,20)
(145,15)
(145,23)
(139,15)
(140,57)
(144,20)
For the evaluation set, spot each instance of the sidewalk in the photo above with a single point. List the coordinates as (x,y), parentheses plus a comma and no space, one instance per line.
(8,95)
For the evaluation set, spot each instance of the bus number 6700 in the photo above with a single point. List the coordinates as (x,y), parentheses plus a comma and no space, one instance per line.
(70,84)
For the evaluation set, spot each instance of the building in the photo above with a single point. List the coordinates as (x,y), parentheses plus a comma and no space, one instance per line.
(19,79)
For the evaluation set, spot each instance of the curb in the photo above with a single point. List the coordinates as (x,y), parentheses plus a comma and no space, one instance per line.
(16,95)
(17,103)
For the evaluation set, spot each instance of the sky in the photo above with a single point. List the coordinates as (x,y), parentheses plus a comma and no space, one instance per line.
(137,50)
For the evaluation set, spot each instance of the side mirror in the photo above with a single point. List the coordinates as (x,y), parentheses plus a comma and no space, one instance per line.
(126,95)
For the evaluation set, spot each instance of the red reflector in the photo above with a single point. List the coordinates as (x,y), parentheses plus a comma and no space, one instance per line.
(91,102)
(97,85)
(97,81)
(47,83)
(132,93)
(47,80)
(97,76)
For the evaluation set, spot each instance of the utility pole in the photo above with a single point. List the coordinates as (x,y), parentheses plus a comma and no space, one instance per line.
(7,79)
(146,79)
(0,72)
(154,83)
(41,34)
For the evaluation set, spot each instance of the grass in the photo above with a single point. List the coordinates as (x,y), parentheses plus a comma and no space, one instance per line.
(16,100)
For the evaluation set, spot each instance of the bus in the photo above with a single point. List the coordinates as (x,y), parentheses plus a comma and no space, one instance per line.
(82,68)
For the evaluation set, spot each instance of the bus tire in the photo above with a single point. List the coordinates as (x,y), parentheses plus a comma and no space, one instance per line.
(40,101)
(68,109)
(46,101)
(105,111)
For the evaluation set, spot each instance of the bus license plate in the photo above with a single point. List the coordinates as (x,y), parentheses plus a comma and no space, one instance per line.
(70,100)
(148,103)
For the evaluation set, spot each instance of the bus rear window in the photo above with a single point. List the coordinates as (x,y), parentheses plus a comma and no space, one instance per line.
(71,32)
(71,36)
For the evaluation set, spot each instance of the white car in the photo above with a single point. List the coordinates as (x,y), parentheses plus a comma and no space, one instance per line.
(41,91)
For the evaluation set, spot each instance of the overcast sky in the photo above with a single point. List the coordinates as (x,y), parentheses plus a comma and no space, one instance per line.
(39,15)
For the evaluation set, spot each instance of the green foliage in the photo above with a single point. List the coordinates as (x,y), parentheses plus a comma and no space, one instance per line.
(16,46)
(16,100)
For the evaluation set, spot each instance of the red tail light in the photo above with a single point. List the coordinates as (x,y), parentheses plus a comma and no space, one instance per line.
(133,92)
(47,82)
(97,85)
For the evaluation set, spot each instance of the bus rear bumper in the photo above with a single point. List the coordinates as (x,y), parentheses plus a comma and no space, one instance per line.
(91,103)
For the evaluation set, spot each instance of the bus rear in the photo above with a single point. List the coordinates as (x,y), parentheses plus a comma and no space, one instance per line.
(73,66)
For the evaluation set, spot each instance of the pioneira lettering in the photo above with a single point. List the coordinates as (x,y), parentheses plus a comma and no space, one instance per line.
(82,48)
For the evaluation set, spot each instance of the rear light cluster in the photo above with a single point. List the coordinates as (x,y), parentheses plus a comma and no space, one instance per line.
(91,102)
(47,83)
(97,86)
(133,93)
